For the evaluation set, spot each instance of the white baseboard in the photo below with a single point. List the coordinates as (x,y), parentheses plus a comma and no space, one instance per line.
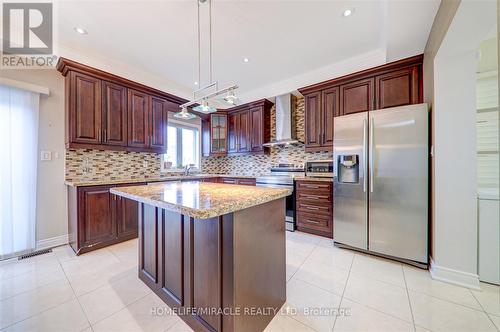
(460,278)
(52,242)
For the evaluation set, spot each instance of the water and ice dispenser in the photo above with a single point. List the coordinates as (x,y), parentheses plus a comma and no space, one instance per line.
(348,168)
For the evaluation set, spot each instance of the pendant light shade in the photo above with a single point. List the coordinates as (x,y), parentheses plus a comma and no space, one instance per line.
(204,108)
(184,114)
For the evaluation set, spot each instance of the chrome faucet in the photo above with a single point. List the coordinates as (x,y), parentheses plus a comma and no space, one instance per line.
(187,168)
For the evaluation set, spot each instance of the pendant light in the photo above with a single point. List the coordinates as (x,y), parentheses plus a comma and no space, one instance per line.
(203,96)
(184,114)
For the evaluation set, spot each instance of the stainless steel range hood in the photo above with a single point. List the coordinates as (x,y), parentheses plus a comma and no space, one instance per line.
(285,121)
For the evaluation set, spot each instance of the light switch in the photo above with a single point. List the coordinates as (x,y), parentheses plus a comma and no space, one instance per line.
(45,155)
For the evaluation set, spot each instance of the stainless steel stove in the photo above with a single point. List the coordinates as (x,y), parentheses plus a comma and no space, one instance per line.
(282,177)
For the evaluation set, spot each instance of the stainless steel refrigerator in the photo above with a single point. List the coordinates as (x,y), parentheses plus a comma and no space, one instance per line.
(381,182)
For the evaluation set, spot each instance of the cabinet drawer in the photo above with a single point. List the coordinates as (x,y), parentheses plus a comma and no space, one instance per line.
(314,185)
(312,221)
(228,180)
(246,182)
(308,196)
(314,208)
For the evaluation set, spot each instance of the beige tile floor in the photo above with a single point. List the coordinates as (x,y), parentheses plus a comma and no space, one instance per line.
(100,291)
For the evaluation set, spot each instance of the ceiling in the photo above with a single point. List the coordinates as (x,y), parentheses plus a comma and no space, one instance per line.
(289,44)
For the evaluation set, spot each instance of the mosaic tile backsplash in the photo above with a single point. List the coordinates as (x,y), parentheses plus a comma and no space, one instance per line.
(85,164)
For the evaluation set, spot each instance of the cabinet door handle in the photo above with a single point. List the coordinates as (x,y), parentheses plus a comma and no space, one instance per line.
(99,135)
(312,207)
(312,221)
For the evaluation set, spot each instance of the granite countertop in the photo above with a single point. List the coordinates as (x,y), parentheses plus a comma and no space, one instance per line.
(93,182)
(201,200)
(308,178)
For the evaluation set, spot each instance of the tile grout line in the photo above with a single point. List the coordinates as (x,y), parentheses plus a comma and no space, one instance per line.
(315,246)
(76,297)
(484,310)
(409,301)
(343,291)
(137,300)
(40,312)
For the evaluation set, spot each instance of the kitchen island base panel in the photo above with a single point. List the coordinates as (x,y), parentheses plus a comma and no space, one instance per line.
(234,263)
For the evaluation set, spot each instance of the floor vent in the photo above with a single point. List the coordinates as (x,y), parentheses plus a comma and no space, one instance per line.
(34,253)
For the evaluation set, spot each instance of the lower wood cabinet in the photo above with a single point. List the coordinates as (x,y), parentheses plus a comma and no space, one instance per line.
(97,218)
(314,207)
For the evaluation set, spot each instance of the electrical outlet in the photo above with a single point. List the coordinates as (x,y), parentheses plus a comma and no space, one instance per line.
(45,155)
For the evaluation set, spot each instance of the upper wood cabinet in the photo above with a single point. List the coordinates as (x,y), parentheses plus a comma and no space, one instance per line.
(114,119)
(214,129)
(320,108)
(394,84)
(312,120)
(397,88)
(105,111)
(85,109)
(257,129)
(244,131)
(357,96)
(138,119)
(233,121)
(331,109)
(239,130)
(159,122)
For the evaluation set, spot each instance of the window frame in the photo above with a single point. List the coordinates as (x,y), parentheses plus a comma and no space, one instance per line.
(186,125)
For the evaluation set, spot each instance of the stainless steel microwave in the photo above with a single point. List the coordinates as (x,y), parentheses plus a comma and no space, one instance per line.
(319,168)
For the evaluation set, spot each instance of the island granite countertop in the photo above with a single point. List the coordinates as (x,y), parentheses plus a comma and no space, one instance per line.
(201,200)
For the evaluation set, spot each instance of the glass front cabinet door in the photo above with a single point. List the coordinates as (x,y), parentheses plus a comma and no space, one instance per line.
(218,134)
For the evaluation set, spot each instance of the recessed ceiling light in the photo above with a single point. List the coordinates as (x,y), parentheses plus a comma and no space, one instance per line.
(348,12)
(81,31)
(245,60)
(195,83)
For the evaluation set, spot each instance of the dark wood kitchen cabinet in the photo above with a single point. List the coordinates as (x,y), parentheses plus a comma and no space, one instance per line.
(114,119)
(108,112)
(312,120)
(97,218)
(147,121)
(321,107)
(232,132)
(215,139)
(249,127)
(314,207)
(394,84)
(138,116)
(84,108)
(238,132)
(397,88)
(357,96)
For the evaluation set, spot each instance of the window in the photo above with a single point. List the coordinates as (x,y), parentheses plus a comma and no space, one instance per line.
(183,145)
(18,170)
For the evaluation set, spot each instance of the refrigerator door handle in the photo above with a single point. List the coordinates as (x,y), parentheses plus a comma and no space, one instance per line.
(372,151)
(365,137)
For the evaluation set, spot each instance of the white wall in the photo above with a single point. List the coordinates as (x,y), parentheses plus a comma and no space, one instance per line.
(51,191)
(455,162)
(454,117)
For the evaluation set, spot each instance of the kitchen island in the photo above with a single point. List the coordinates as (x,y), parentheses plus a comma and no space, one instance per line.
(214,253)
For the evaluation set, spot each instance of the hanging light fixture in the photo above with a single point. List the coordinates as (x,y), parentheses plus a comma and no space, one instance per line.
(184,114)
(230,98)
(203,96)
